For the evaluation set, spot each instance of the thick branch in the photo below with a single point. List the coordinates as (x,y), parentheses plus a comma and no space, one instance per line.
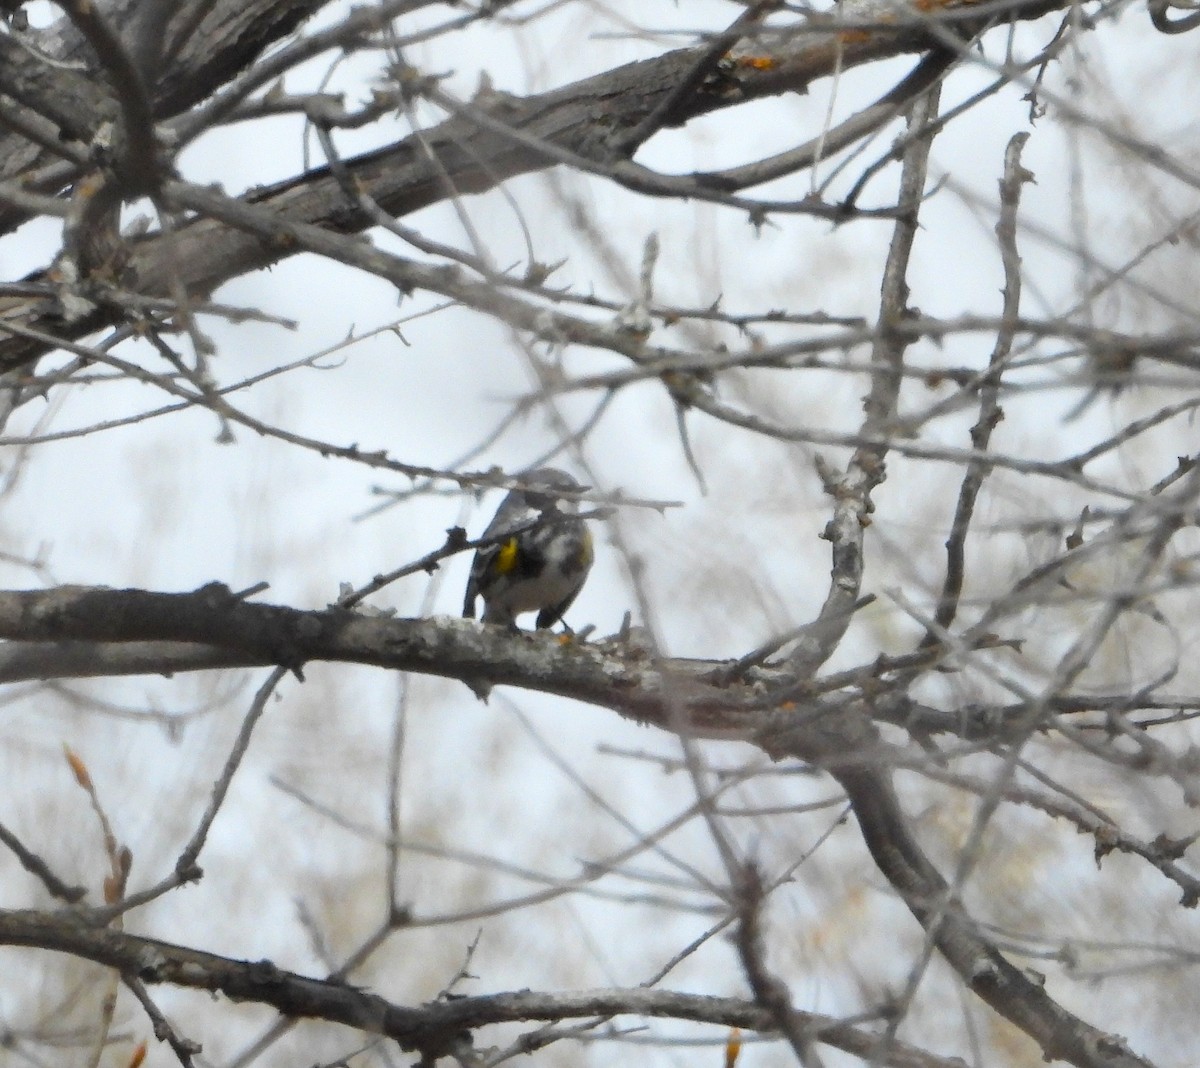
(208,43)
(431,1028)
(249,633)
(586,124)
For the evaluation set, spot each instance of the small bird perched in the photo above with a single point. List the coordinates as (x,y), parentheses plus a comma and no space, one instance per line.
(543,565)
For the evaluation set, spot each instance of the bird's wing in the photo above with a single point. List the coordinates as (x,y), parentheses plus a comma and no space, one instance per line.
(509,516)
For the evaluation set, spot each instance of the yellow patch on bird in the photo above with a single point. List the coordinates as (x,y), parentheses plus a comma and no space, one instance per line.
(586,553)
(506,558)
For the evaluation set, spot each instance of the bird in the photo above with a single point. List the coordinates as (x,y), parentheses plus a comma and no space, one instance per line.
(542,565)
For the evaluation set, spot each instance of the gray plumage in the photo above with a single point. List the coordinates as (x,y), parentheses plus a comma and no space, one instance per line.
(542,567)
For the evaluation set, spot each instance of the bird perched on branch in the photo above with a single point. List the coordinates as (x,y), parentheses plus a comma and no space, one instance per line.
(542,564)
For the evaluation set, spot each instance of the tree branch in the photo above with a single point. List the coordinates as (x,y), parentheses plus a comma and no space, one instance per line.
(519,136)
(431,1028)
